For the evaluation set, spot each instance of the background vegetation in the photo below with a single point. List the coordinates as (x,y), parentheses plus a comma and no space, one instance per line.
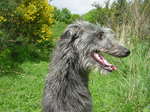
(29,30)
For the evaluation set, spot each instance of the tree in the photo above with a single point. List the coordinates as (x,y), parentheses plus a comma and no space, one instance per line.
(64,15)
(25,26)
(30,21)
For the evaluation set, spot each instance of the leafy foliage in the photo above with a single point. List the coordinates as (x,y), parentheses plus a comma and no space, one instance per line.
(29,22)
(37,16)
(64,15)
(25,28)
(99,15)
(130,17)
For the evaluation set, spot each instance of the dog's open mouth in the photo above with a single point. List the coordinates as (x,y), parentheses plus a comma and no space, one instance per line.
(103,62)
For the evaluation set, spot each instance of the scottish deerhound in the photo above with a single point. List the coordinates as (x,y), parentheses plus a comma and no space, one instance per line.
(78,51)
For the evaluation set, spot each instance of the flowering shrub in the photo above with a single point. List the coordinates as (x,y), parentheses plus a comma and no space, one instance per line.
(28,13)
(44,33)
(37,17)
(2,19)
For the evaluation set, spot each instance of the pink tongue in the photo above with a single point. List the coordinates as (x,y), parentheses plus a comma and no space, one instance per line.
(114,67)
(104,62)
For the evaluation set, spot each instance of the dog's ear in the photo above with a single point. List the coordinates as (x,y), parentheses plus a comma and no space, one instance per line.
(71,33)
(65,35)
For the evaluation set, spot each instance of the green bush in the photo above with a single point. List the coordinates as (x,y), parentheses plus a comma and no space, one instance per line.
(64,15)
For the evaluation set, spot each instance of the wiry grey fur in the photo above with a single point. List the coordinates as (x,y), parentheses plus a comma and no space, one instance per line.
(66,88)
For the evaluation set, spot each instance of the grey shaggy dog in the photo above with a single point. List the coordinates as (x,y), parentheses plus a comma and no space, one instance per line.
(78,51)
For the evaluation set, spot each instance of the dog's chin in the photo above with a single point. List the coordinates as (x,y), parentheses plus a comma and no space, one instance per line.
(104,72)
(100,70)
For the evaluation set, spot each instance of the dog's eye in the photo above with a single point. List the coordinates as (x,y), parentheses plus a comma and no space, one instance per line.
(100,35)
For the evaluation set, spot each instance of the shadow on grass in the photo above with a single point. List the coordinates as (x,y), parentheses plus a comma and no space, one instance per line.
(11,60)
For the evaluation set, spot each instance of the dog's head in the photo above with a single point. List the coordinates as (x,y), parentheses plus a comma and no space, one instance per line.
(90,41)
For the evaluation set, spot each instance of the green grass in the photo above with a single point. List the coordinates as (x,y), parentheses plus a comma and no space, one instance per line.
(125,90)
(23,92)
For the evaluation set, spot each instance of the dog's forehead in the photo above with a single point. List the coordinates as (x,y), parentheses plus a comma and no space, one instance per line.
(86,26)
(91,28)
(107,30)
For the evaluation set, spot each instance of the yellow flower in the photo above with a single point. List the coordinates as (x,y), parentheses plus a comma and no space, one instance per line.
(2,19)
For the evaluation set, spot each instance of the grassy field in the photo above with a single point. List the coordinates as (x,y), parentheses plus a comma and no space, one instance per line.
(22,92)
(125,90)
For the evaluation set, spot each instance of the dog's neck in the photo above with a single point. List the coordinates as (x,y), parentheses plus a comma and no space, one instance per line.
(67,66)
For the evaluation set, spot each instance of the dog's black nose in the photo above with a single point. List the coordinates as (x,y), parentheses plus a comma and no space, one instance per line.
(127,52)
